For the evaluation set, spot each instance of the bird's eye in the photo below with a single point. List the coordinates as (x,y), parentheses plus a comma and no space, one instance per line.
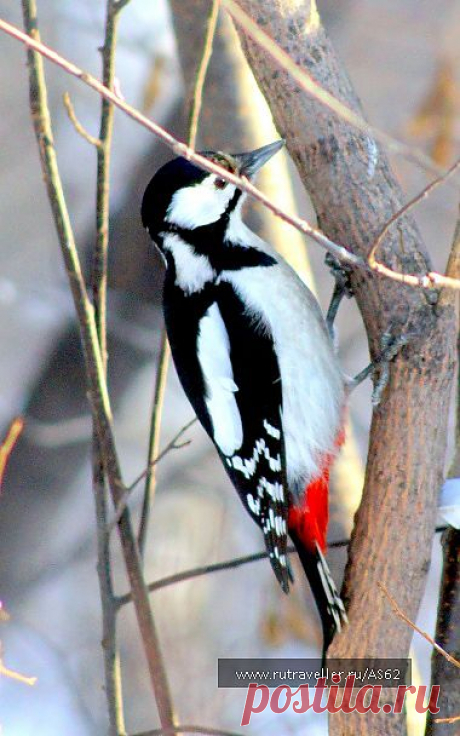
(220,183)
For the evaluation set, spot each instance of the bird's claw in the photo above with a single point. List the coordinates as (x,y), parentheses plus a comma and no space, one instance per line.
(389,348)
(379,369)
(341,274)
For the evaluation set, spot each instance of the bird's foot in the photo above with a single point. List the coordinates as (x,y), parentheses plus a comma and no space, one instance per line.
(379,369)
(343,287)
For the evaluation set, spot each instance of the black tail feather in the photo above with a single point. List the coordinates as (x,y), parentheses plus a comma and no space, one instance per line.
(330,605)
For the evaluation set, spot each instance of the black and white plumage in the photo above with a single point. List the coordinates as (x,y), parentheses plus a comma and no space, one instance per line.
(255,358)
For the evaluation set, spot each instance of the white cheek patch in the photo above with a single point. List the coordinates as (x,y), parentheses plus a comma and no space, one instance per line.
(214,357)
(193,271)
(199,205)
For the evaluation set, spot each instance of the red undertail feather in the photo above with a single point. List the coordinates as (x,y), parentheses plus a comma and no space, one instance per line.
(310,519)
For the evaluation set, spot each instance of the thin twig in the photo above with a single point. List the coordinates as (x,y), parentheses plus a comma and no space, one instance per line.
(127,490)
(93,361)
(80,129)
(100,255)
(8,444)
(163,358)
(201,73)
(409,205)
(400,614)
(172,445)
(153,455)
(453,719)
(196,572)
(430,280)
(179,148)
(13,675)
(112,665)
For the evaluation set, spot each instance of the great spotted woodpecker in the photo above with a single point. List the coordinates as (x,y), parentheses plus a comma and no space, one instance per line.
(256,360)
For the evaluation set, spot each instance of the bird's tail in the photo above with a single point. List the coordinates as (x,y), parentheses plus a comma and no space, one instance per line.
(307,524)
(330,605)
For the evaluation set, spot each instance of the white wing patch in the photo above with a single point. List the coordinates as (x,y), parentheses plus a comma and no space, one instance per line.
(214,357)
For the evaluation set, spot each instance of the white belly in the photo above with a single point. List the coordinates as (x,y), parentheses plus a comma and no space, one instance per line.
(312,382)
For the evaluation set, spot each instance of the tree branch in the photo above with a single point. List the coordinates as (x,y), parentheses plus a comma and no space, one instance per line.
(93,364)
(197,99)
(400,614)
(8,444)
(164,356)
(306,82)
(196,572)
(448,618)
(172,445)
(429,280)
(80,129)
(112,666)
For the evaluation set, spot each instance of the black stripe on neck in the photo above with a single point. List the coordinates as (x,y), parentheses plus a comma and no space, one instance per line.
(222,255)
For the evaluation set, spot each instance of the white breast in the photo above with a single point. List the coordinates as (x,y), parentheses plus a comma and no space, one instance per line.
(312,382)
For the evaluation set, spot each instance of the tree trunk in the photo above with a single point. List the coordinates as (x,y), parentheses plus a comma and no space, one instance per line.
(354,193)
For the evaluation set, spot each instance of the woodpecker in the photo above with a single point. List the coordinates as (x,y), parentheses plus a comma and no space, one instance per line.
(256,360)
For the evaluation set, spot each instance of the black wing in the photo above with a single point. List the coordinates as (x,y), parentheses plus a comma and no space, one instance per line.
(235,353)
(257,467)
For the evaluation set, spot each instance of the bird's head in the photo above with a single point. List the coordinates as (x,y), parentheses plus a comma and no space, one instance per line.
(181,195)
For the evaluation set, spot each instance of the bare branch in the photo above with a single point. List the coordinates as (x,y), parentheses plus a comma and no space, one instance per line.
(400,614)
(201,73)
(7,446)
(453,719)
(163,358)
(13,675)
(93,361)
(172,445)
(112,668)
(430,280)
(112,665)
(154,455)
(127,490)
(196,572)
(308,84)
(80,129)
(373,263)
(179,148)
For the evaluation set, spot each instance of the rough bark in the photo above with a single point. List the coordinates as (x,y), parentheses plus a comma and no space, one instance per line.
(448,636)
(354,193)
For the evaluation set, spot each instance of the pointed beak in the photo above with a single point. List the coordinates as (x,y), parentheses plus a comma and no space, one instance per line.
(250,163)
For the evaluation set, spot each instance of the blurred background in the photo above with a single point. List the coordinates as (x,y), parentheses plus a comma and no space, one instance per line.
(404,61)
